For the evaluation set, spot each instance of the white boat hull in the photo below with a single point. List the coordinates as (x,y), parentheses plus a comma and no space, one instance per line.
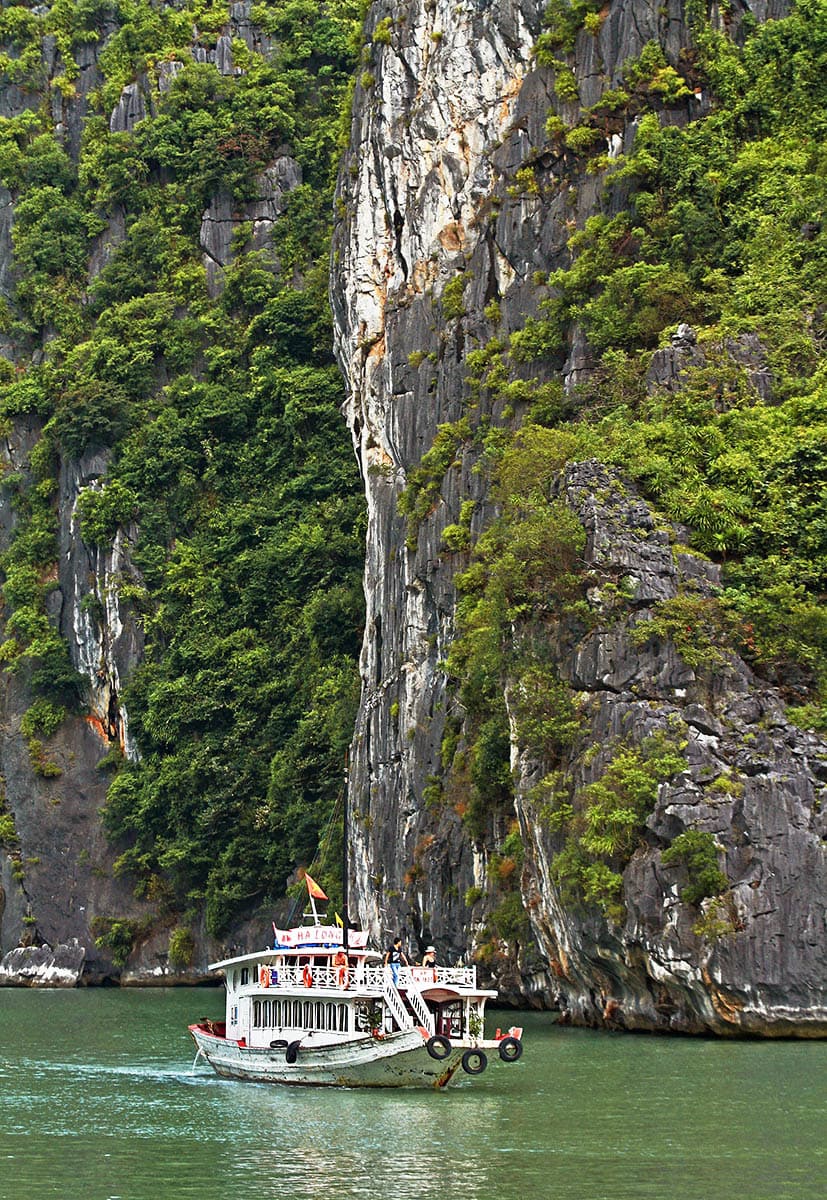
(396,1060)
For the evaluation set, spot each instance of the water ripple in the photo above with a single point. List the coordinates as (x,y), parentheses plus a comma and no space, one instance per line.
(104,1081)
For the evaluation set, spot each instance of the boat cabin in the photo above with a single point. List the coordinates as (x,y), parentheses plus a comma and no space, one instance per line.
(308,987)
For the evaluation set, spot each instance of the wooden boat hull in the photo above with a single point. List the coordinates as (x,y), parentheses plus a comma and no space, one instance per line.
(396,1060)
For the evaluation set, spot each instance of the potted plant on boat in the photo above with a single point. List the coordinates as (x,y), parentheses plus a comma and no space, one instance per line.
(374,1020)
(475,1025)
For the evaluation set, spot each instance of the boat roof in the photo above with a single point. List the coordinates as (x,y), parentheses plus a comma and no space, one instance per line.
(270,952)
(304,939)
(443,992)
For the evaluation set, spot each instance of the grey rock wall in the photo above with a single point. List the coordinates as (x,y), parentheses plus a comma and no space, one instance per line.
(130,109)
(13,904)
(59,876)
(221,222)
(415,182)
(455,109)
(104,635)
(6,221)
(447,114)
(762,965)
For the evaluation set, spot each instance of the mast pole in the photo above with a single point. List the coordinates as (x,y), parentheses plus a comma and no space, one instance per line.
(345,864)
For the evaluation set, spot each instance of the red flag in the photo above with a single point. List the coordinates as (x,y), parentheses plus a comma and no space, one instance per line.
(313,888)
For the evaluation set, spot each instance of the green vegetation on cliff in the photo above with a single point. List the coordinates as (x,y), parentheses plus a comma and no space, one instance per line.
(726,228)
(717,217)
(227,471)
(723,226)
(229,467)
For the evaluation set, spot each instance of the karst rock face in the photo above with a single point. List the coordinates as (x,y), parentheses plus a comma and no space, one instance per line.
(451,107)
(437,222)
(753,781)
(58,877)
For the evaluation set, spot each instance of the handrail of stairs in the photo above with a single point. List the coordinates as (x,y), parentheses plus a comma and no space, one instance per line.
(426,1017)
(391,996)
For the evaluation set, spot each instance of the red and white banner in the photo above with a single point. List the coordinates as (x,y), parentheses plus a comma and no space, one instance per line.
(318,935)
(423,974)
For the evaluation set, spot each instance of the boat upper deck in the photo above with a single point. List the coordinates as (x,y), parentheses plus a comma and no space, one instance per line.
(314,957)
(272,970)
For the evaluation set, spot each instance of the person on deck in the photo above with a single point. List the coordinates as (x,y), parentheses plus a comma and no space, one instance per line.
(429,958)
(395,958)
(341,964)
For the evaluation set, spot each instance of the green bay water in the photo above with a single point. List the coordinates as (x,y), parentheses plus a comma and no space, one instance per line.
(98,1100)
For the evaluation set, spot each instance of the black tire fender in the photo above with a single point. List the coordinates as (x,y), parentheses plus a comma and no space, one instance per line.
(292,1052)
(474,1062)
(278,1044)
(510,1049)
(438,1047)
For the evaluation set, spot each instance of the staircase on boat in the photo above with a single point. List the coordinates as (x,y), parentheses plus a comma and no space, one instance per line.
(396,1003)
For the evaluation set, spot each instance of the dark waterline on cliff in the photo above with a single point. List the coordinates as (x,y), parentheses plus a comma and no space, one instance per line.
(98,1101)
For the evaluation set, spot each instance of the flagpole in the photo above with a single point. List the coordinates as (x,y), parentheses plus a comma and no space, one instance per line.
(345,915)
(313,891)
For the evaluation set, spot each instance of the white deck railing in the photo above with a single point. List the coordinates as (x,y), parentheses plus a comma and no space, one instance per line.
(368,978)
(425,977)
(335,978)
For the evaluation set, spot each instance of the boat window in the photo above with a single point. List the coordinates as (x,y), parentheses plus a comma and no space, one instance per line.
(257,1014)
(364,1014)
(245,975)
(450,1019)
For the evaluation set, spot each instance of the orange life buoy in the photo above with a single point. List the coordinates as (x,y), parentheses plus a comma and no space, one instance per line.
(264,976)
(307,976)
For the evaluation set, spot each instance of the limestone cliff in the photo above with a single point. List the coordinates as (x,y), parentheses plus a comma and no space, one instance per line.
(57,877)
(756,783)
(452,196)
(468,170)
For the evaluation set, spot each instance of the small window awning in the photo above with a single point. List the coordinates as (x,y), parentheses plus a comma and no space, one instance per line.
(439,995)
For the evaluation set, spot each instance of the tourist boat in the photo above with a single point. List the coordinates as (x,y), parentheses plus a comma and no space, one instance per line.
(319,1007)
